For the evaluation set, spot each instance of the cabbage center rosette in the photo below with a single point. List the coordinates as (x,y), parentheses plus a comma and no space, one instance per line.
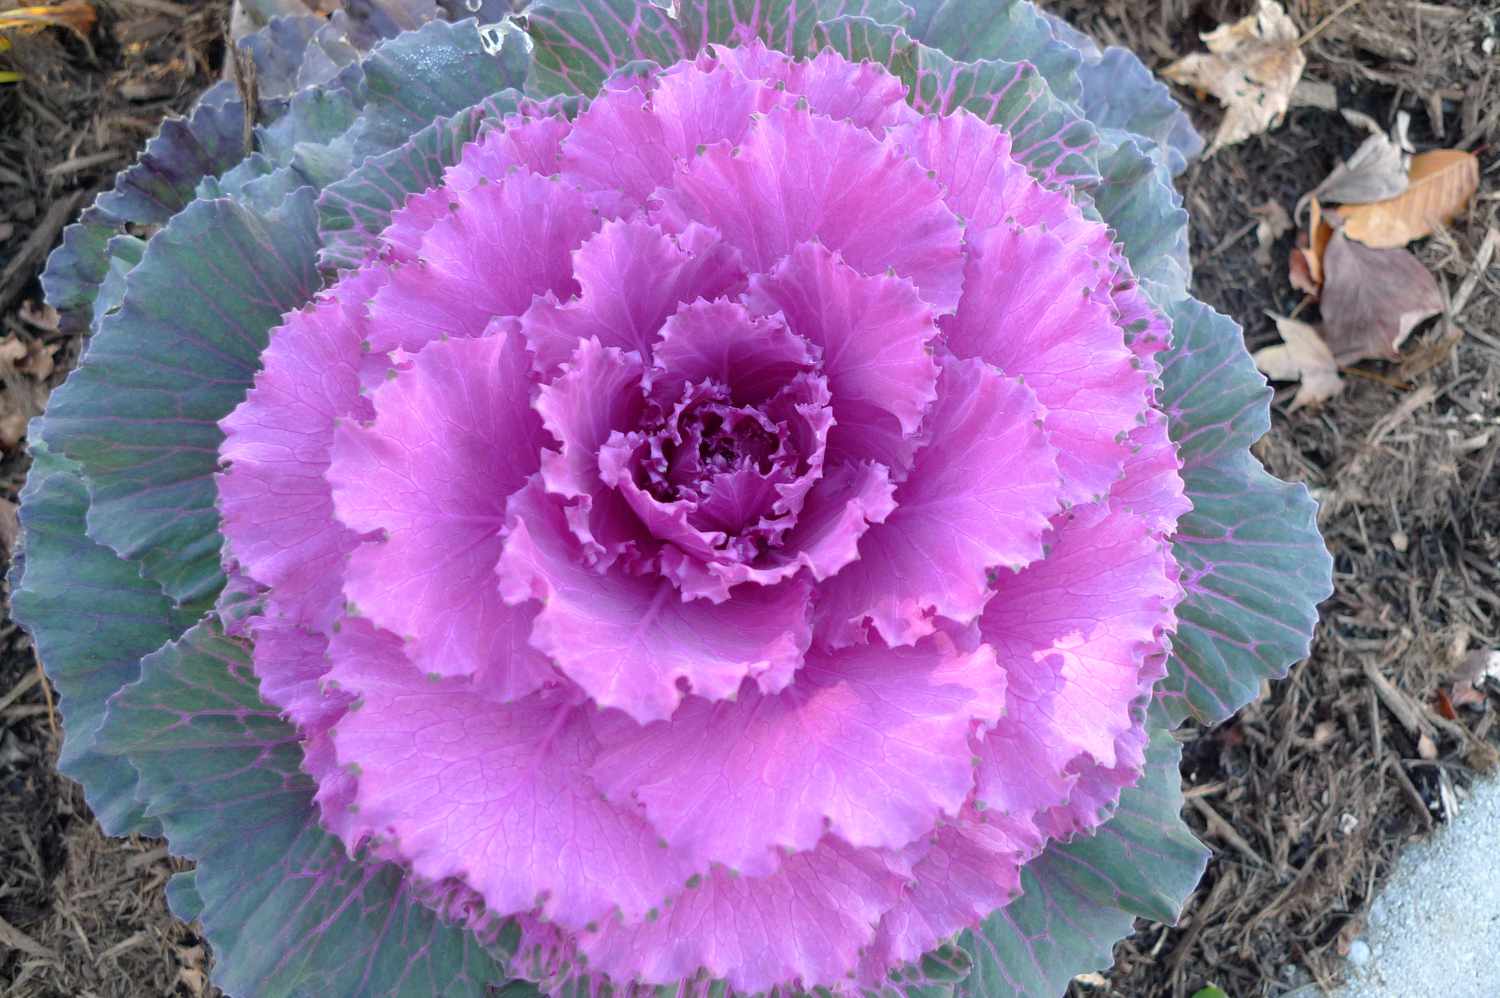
(728,529)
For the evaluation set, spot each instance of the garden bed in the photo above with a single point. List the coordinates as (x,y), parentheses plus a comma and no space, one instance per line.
(1305,796)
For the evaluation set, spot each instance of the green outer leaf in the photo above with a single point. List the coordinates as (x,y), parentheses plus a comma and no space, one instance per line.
(1253,563)
(1121,95)
(1047,136)
(1080,897)
(288,914)
(1010,30)
(356,209)
(149,192)
(1147,215)
(182,895)
(420,76)
(582,43)
(578,44)
(937,975)
(92,617)
(787,25)
(123,253)
(141,412)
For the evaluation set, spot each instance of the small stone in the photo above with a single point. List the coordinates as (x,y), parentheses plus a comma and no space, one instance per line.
(1359,953)
(1400,542)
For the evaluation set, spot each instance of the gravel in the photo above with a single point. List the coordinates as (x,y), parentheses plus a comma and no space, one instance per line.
(1435,931)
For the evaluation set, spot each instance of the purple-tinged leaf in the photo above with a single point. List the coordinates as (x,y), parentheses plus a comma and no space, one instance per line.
(787,25)
(160,184)
(278,50)
(140,414)
(1253,563)
(1139,202)
(438,70)
(92,618)
(1079,898)
(1121,94)
(353,211)
(1047,135)
(1012,30)
(582,43)
(287,912)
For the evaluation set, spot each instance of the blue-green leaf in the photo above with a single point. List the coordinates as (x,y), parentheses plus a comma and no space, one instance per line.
(354,210)
(1121,95)
(1079,898)
(578,44)
(141,412)
(1253,563)
(92,618)
(582,43)
(1050,138)
(433,72)
(1010,30)
(1138,201)
(286,911)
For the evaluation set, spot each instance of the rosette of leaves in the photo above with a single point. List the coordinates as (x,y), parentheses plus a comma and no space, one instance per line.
(728,497)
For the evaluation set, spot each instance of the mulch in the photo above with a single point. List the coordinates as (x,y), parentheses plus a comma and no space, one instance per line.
(1305,796)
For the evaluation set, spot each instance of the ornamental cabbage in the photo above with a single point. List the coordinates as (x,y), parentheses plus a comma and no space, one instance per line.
(731,497)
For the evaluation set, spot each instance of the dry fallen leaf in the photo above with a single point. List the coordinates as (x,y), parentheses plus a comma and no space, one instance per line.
(1252,66)
(1376,172)
(1274,223)
(1440,185)
(1302,356)
(24,369)
(10,525)
(1306,266)
(43,316)
(1373,298)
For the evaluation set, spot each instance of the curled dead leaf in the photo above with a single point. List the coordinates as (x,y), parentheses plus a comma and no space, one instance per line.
(1440,184)
(1306,265)
(1376,172)
(25,366)
(1301,356)
(1373,299)
(1252,66)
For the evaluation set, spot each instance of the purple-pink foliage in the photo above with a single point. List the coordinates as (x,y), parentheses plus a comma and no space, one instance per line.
(727,530)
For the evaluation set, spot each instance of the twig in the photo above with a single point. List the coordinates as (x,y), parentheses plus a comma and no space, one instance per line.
(1221,829)
(47,696)
(1409,790)
(1481,264)
(1322,25)
(16,939)
(18,691)
(1408,713)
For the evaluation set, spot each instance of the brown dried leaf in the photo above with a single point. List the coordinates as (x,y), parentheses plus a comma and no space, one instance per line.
(10,525)
(1302,356)
(1252,66)
(1373,299)
(24,369)
(1440,185)
(43,316)
(1306,267)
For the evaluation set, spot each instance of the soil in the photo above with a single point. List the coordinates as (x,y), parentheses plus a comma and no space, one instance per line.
(1305,796)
